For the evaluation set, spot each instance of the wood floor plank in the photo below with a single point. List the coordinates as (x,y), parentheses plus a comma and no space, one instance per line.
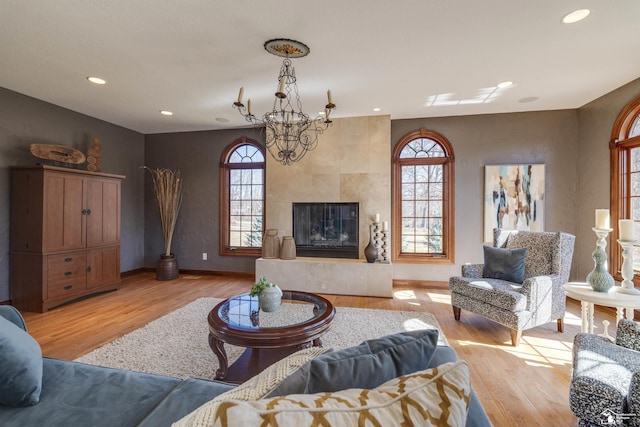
(525,385)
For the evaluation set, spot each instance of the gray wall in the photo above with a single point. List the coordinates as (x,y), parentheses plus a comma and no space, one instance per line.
(25,120)
(572,143)
(197,156)
(596,121)
(549,137)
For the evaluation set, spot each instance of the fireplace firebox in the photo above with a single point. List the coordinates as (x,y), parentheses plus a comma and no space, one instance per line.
(328,230)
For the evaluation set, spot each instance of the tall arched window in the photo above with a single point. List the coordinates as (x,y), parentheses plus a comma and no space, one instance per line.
(242,183)
(422,198)
(625,181)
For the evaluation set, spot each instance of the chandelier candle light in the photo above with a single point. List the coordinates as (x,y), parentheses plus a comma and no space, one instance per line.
(626,241)
(290,132)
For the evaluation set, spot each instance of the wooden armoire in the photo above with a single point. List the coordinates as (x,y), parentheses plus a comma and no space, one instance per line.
(65,235)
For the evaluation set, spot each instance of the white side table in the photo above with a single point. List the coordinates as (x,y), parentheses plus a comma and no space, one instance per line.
(588,297)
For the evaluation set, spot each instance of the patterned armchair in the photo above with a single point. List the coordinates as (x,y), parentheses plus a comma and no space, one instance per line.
(519,306)
(605,383)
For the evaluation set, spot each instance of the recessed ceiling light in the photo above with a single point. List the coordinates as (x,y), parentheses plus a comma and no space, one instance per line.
(528,99)
(504,84)
(166,113)
(96,80)
(376,109)
(222,120)
(575,16)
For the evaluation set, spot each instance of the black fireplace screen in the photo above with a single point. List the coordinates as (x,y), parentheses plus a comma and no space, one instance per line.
(326,229)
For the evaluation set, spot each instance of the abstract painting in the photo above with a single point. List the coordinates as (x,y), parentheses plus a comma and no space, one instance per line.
(513,198)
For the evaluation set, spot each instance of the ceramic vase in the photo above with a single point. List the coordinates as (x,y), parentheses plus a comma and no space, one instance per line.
(270,298)
(288,250)
(371,251)
(167,268)
(271,244)
(599,278)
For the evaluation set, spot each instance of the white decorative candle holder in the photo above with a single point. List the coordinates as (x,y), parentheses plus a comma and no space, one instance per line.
(627,286)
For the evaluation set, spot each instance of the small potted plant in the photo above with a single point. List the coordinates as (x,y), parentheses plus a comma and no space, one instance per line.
(269,295)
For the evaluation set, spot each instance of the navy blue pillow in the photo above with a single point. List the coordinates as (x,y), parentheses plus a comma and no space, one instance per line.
(505,264)
(373,362)
(21,362)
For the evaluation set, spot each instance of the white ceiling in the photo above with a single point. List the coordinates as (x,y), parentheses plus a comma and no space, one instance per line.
(192,56)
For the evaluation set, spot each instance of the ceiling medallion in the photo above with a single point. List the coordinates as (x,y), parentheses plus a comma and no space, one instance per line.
(286,48)
(290,133)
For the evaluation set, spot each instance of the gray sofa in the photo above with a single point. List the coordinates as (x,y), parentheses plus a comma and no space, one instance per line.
(77,394)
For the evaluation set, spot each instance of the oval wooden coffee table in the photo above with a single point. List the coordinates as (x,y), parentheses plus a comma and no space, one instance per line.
(298,323)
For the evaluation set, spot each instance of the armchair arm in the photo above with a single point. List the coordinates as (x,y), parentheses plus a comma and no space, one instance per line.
(545,297)
(633,400)
(628,334)
(13,315)
(473,271)
(539,289)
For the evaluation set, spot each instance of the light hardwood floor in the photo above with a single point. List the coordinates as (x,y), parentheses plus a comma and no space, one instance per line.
(527,385)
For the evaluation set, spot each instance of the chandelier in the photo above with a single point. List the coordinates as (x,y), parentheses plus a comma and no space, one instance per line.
(290,132)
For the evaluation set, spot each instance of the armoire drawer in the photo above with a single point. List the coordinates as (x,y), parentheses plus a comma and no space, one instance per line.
(70,286)
(66,274)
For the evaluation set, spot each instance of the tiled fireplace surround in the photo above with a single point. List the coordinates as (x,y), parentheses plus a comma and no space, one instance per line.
(351,164)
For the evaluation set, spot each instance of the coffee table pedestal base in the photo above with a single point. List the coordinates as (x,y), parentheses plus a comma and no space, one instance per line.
(252,361)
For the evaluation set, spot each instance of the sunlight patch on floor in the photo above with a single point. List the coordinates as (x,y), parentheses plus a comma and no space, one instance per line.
(441,298)
(533,351)
(405,294)
(537,365)
(416,324)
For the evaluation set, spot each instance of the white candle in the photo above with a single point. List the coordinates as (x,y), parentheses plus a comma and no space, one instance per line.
(329,97)
(385,226)
(602,218)
(377,218)
(240,94)
(281,87)
(249,106)
(626,230)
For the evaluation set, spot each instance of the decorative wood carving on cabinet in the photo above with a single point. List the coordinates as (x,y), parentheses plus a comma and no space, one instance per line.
(65,235)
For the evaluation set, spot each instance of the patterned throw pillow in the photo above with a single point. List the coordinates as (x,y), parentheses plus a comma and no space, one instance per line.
(259,386)
(438,396)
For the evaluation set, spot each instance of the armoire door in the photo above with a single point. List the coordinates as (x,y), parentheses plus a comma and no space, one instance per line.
(102,207)
(63,219)
(103,266)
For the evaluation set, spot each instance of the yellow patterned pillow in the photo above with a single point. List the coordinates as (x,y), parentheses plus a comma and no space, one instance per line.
(438,396)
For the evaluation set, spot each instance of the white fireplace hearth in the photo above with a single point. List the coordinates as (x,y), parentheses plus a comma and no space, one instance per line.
(329,276)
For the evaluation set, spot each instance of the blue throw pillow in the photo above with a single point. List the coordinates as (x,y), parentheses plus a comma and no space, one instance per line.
(505,264)
(373,362)
(21,362)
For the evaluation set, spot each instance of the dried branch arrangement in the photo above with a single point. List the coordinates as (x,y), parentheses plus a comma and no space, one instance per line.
(167,186)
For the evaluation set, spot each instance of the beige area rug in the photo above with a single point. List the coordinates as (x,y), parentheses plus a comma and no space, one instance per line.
(177,343)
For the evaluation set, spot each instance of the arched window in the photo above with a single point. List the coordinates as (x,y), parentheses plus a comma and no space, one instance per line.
(422,198)
(242,183)
(625,181)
